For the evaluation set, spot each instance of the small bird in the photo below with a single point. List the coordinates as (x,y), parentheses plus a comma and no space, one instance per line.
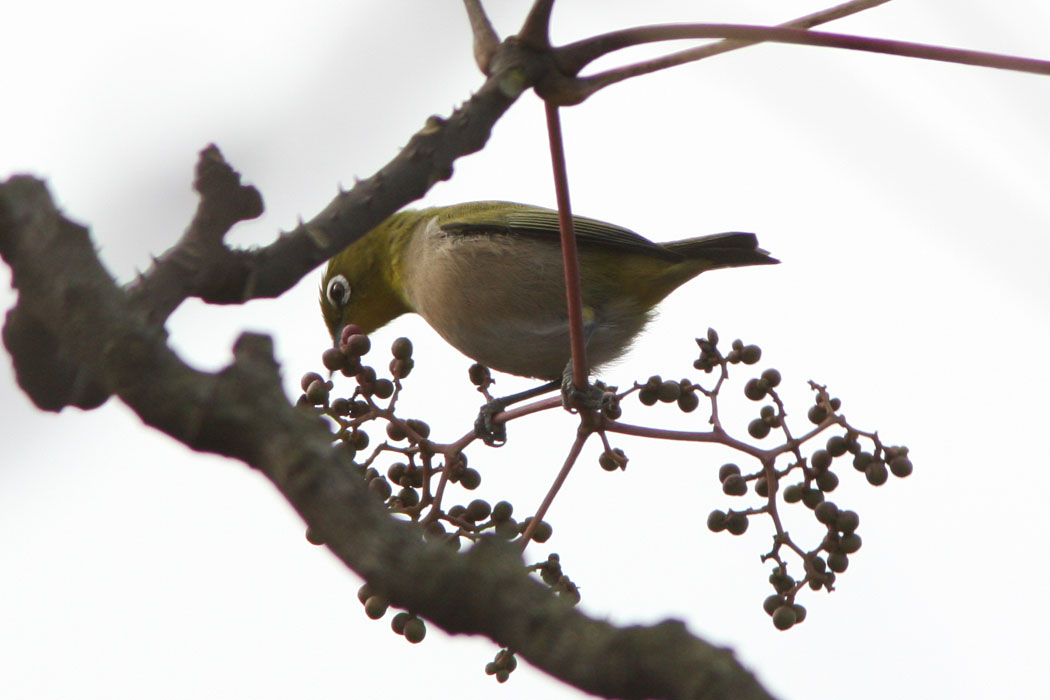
(488,277)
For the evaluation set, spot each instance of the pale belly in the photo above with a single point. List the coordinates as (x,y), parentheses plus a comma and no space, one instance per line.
(501,301)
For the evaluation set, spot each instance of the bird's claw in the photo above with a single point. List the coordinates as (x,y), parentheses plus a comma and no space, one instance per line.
(592,398)
(491,433)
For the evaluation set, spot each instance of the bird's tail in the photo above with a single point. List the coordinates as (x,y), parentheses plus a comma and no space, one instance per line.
(733,249)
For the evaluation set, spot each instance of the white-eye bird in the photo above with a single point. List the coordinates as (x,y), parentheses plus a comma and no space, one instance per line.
(488,277)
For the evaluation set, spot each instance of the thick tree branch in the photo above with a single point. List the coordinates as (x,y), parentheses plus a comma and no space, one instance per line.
(241,412)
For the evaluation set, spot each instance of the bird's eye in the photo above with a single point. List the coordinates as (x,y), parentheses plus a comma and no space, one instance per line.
(338,291)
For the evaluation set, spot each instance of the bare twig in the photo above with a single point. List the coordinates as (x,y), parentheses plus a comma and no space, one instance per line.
(573,294)
(597,46)
(535,31)
(563,474)
(486,41)
(591,84)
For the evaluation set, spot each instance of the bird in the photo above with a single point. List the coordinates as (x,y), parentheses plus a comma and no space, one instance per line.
(488,277)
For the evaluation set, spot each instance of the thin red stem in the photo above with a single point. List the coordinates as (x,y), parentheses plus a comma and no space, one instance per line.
(573,294)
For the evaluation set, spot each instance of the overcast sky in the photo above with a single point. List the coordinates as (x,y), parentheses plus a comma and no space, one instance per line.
(907,200)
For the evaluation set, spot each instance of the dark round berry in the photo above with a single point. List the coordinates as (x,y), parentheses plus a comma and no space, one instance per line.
(333,359)
(837,446)
(478,509)
(820,460)
(736,523)
(383,388)
(309,378)
(317,392)
(771,377)
(734,485)
(784,617)
(827,482)
(408,497)
(793,493)
(756,389)
(817,414)
(375,607)
(502,511)
(364,593)
(771,603)
(850,543)
(380,487)
(398,623)
(762,487)
(648,396)
(415,630)
(861,460)
(396,471)
(401,348)
(688,401)
(358,345)
(812,497)
(900,466)
(800,612)
(750,354)
(470,479)
(847,521)
(758,428)
(826,512)
(876,472)
(727,470)
(395,432)
(543,532)
(422,429)
(359,439)
(838,562)
(402,368)
(716,521)
(669,391)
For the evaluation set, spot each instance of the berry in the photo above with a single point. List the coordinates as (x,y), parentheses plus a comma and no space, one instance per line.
(900,466)
(756,389)
(737,523)
(401,349)
(727,470)
(415,630)
(734,485)
(784,617)
(876,472)
(750,354)
(837,446)
(820,460)
(758,428)
(375,607)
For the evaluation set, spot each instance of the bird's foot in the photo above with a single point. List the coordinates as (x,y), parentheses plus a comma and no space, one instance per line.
(491,433)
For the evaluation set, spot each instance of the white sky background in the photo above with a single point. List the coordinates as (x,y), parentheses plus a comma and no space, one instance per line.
(907,200)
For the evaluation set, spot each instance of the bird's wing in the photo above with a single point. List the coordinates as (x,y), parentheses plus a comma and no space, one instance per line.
(518,219)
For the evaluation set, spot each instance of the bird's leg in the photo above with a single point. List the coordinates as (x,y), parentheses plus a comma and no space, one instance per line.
(573,399)
(495,434)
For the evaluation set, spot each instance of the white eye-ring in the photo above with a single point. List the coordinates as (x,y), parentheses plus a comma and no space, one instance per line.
(338,291)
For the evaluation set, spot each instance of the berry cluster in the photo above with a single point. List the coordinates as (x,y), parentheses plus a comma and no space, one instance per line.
(805,480)
(415,483)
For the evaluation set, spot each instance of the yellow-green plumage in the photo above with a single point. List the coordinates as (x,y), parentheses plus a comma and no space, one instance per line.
(488,277)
